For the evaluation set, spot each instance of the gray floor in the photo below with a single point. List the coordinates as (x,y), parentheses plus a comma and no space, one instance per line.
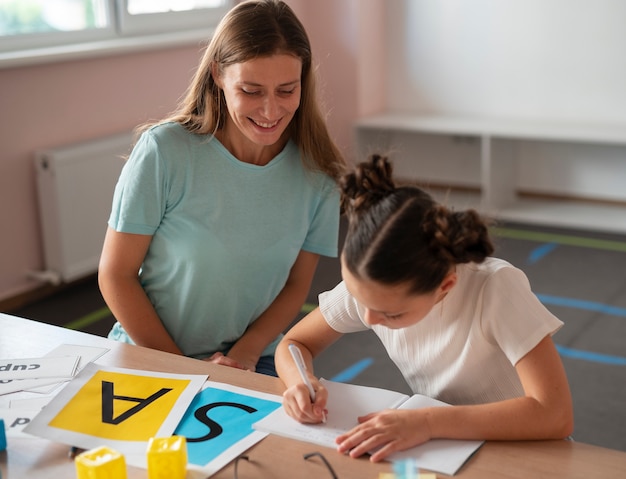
(578,275)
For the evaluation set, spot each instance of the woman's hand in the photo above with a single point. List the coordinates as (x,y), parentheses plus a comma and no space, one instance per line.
(385,432)
(297,402)
(219,358)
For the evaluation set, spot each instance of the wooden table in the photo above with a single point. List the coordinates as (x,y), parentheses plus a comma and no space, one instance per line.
(274,457)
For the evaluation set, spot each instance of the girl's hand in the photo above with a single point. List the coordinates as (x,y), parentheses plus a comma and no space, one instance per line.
(385,432)
(297,403)
(219,358)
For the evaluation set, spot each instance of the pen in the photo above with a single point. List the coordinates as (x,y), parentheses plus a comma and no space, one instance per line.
(296,354)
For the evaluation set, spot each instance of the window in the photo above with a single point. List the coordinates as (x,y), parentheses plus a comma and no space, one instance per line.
(142,16)
(27,25)
(137,7)
(36,23)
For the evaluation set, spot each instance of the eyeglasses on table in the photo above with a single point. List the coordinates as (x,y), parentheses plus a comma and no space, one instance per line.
(307,456)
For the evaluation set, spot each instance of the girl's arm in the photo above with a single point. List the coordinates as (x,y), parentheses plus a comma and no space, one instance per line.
(544,412)
(279,315)
(312,335)
(122,256)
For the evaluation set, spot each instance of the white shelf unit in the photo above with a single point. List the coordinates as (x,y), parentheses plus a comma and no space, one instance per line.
(484,160)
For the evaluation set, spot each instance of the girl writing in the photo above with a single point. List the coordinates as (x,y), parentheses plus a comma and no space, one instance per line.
(462,327)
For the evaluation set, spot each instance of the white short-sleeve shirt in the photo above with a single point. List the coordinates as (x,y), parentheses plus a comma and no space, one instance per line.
(465,350)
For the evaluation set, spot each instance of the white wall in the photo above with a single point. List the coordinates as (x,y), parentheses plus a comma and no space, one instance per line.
(349,48)
(562,60)
(543,59)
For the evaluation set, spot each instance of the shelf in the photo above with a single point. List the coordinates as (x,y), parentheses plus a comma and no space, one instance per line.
(609,133)
(567,214)
(486,161)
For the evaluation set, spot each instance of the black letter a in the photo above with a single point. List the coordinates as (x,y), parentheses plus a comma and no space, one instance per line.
(107,403)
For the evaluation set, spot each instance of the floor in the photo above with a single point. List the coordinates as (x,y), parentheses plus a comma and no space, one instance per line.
(578,275)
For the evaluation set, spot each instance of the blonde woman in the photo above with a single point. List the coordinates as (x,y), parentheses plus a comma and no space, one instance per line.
(223,209)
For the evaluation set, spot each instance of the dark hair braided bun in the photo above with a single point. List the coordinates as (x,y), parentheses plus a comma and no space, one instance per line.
(367,185)
(457,237)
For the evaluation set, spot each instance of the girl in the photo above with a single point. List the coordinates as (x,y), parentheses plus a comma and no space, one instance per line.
(461,326)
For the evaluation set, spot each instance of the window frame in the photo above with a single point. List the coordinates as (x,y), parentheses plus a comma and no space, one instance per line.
(39,40)
(148,23)
(123,34)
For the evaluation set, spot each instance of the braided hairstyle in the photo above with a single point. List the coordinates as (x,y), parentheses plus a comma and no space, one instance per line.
(400,235)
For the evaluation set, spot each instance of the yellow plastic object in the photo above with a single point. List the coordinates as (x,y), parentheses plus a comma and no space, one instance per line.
(167,457)
(100,463)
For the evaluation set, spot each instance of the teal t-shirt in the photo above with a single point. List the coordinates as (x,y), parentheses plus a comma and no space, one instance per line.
(225,233)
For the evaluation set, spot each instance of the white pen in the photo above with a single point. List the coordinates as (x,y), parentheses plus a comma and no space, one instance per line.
(296,354)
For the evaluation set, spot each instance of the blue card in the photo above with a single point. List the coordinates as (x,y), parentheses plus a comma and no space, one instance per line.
(217,419)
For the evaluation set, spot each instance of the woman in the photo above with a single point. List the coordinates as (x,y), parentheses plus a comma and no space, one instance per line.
(462,327)
(222,210)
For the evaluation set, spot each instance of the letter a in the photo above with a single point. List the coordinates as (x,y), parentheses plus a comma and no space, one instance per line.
(107,403)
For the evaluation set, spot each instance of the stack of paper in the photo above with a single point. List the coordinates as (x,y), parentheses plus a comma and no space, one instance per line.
(40,376)
(58,366)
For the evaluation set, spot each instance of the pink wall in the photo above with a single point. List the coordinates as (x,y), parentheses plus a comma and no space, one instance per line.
(348,43)
(62,103)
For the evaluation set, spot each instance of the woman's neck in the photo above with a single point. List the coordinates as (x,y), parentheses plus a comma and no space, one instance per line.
(245,150)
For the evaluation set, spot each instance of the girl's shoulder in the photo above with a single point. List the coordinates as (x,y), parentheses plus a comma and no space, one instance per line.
(490,266)
(495,272)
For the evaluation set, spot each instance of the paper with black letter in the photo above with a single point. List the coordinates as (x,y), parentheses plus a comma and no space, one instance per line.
(35,368)
(120,407)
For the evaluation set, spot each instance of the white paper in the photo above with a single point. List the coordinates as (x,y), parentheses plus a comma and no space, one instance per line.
(245,436)
(32,403)
(46,385)
(347,404)
(349,401)
(86,354)
(35,368)
(241,446)
(15,385)
(22,374)
(440,455)
(72,435)
(15,420)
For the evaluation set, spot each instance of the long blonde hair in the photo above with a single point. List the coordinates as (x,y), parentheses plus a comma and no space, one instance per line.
(253,29)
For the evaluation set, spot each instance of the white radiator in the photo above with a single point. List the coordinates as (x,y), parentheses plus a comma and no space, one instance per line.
(75,187)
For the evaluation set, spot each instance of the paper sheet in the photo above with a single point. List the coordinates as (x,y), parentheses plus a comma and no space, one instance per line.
(218,426)
(348,401)
(347,404)
(122,408)
(45,384)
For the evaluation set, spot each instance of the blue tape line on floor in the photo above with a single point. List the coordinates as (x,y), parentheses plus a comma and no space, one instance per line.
(582,304)
(353,371)
(589,356)
(540,252)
